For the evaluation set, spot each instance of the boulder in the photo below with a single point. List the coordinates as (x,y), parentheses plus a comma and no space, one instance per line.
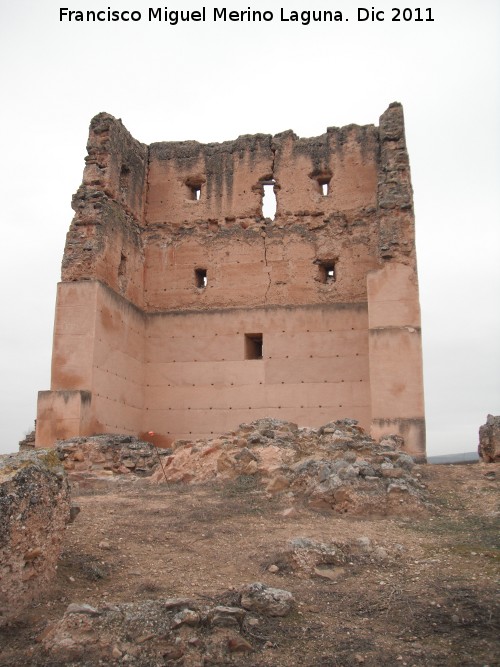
(266,600)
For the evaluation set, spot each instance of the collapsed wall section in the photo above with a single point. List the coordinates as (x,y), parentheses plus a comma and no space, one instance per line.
(104,240)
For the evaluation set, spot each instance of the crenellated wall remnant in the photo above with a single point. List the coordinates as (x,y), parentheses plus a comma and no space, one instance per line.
(183,311)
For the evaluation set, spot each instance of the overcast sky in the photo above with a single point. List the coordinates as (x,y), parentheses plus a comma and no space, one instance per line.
(214,81)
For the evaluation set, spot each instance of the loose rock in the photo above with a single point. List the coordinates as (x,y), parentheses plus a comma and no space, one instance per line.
(266,600)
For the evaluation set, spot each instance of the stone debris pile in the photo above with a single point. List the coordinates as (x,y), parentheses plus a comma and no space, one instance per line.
(167,632)
(34,510)
(306,557)
(108,455)
(336,467)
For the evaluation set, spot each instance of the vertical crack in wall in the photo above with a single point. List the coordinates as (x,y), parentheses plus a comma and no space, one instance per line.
(268,271)
(145,206)
(145,213)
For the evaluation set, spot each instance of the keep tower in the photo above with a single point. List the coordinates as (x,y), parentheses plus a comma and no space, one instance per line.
(183,311)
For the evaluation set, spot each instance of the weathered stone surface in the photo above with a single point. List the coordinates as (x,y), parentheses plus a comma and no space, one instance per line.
(226,616)
(75,608)
(86,458)
(186,617)
(159,632)
(307,557)
(28,442)
(489,440)
(266,600)
(34,510)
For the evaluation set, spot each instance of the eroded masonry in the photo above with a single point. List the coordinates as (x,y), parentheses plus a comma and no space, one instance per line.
(183,311)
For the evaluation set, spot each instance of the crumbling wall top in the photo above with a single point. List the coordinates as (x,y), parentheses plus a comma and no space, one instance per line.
(348,187)
(116,164)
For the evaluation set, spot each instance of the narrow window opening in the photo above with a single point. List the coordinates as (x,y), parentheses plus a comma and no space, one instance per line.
(194,185)
(269,203)
(327,272)
(324,185)
(200,278)
(322,180)
(254,346)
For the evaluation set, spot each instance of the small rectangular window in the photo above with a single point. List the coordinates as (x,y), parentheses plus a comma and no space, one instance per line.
(327,272)
(322,181)
(253,346)
(200,278)
(194,185)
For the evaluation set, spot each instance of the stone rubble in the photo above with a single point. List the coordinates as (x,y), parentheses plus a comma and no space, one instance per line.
(306,557)
(336,467)
(108,456)
(161,632)
(34,510)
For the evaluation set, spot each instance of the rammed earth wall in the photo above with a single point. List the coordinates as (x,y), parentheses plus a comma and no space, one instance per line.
(183,311)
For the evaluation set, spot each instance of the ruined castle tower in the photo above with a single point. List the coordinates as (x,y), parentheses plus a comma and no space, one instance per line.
(183,312)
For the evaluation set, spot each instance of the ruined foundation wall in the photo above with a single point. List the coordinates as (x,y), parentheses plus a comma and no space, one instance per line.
(34,511)
(171,242)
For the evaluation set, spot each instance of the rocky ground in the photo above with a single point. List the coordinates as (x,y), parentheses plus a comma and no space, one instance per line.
(231,572)
(335,467)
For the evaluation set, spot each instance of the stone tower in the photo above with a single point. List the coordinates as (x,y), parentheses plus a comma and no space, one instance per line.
(183,312)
